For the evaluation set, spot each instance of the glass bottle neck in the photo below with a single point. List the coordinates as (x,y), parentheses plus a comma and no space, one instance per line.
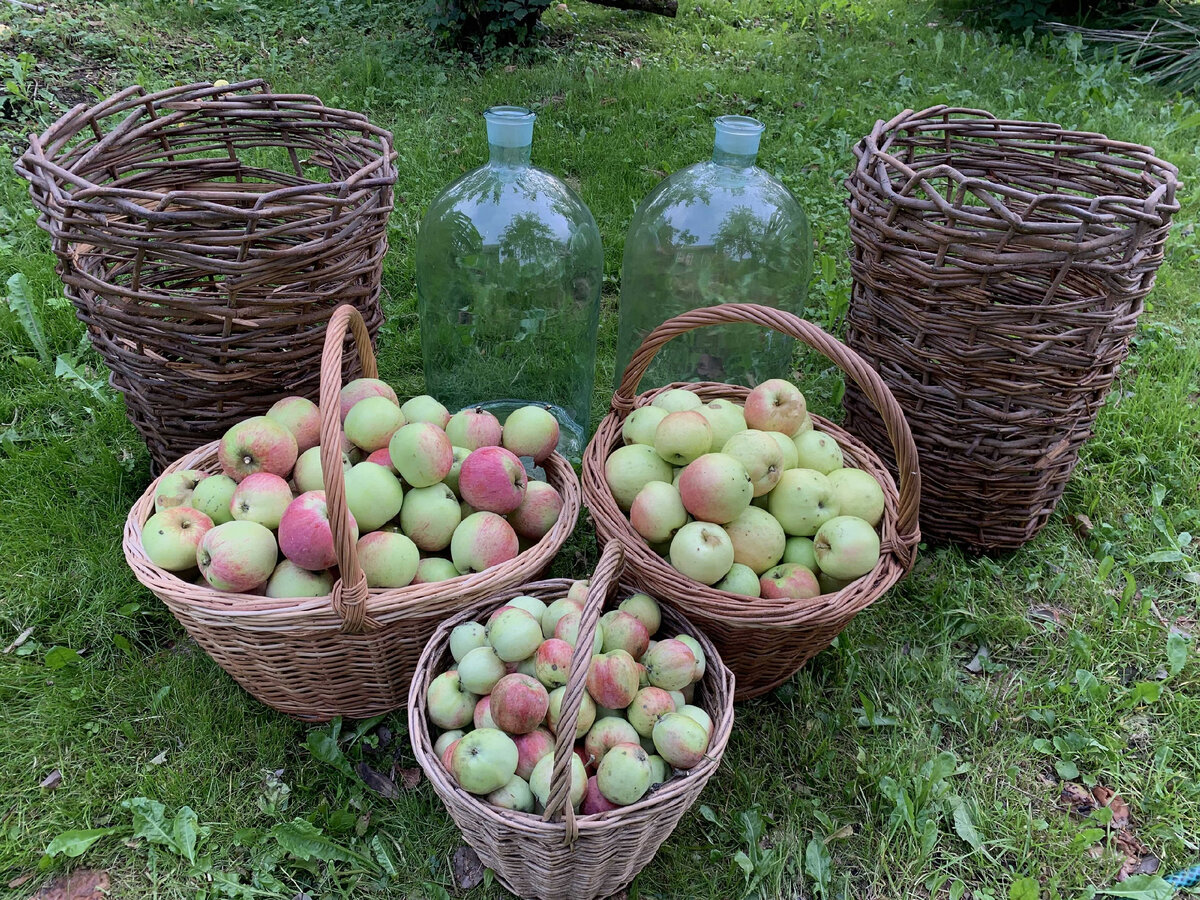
(509,157)
(733,160)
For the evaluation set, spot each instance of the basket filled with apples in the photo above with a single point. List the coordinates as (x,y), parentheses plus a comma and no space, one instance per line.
(770,527)
(567,742)
(312,552)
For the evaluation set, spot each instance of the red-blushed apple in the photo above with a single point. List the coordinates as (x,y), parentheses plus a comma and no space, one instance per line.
(531,747)
(578,590)
(519,703)
(451,479)
(421,453)
(538,512)
(612,679)
(857,494)
(172,537)
(555,611)
(448,753)
(643,676)
(631,468)
(493,479)
(800,550)
(695,712)
(680,740)
(429,516)
(657,512)
(257,444)
(624,632)
(383,457)
(775,405)
(702,551)
(552,662)
(623,776)
(715,488)
(484,760)
(482,540)
(373,494)
(424,408)
(758,539)
(301,417)
(587,712)
(605,734)
(641,424)
(789,580)
(448,703)
(361,389)
(530,431)
(648,706)
(434,568)
(645,609)
(659,773)
(388,560)
(787,447)
(677,400)
(539,781)
(670,664)
(466,637)
(740,580)
(473,428)
(725,418)
(803,501)
(308,473)
(445,739)
(514,634)
(480,669)
(567,629)
(304,535)
(759,453)
(237,556)
(847,547)
(698,652)
(213,496)
(262,498)
(818,451)
(515,795)
(289,580)
(371,423)
(176,488)
(594,802)
(482,717)
(682,437)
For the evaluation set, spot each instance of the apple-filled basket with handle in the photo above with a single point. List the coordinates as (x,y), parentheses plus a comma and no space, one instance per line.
(559,854)
(352,652)
(764,641)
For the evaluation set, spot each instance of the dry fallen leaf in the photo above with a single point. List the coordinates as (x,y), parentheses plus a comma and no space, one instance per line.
(410,778)
(82,884)
(1083,526)
(975,666)
(20,880)
(51,781)
(1077,799)
(377,781)
(466,868)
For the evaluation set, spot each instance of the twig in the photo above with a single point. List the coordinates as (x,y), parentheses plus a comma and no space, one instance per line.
(32,7)
(21,638)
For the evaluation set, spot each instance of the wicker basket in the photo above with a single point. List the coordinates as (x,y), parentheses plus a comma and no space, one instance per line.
(351,653)
(560,855)
(999,270)
(205,235)
(764,641)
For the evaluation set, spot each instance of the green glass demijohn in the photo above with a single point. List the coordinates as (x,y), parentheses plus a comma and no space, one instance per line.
(509,269)
(719,231)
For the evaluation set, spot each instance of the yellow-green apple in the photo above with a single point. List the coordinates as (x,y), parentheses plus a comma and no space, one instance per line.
(641,424)
(474,428)
(740,580)
(567,629)
(382,457)
(301,417)
(213,496)
(831,585)
(789,580)
(594,802)
(623,631)
(695,712)
(715,488)
(758,539)
(676,400)
(539,780)
(552,662)
(623,776)
(612,679)
(631,468)
(434,568)
(578,590)
(483,714)
(308,473)
(658,767)
(445,739)
(421,453)
(555,611)
(449,704)
(538,512)
(493,479)
(530,431)
(460,455)
(519,703)
(775,405)
(682,437)
(482,540)
(515,795)
(237,556)
(800,550)
(698,652)
(371,423)
(648,707)
(759,453)
(262,498)
(679,698)
(304,535)
(657,512)
(389,560)
(257,444)
(803,501)
(787,447)
(176,489)
(606,733)
(480,669)
(361,389)
(725,418)
(847,547)
(531,605)
(587,712)
(806,425)
(466,637)
(514,634)
(702,551)
(172,537)
(429,516)
(645,609)
(289,580)
(679,739)
(484,761)
(670,664)
(819,451)
(858,494)
(424,408)
(531,747)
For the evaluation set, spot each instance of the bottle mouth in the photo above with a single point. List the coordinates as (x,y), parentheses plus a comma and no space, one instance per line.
(509,126)
(738,135)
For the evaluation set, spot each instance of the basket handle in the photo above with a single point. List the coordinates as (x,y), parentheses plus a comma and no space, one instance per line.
(603,584)
(350,590)
(867,379)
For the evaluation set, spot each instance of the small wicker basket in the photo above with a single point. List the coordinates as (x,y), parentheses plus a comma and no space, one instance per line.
(764,641)
(561,855)
(351,653)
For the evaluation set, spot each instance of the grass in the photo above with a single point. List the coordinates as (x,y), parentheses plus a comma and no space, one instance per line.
(836,785)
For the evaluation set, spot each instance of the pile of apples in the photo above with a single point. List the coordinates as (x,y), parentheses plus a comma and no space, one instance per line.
(749,499)
(499,707)
(431,496)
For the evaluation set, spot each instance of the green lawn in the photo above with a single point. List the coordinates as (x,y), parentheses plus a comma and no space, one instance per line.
(885,768)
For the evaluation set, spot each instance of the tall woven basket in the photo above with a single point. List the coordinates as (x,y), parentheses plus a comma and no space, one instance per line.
(999,271)
(351,653)
(764,641)
(205,235)
(561,855)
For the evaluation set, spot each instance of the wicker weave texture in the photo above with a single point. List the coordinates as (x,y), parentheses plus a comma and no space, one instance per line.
(205,235)
(764,641)
(351,653)
(562,856)
(999,271)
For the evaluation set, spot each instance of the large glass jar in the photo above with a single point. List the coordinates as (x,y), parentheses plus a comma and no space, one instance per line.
(719,231)
(509,269)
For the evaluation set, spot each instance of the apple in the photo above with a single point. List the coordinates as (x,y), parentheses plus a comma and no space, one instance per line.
(682,437)
(789,580)
(237,556)
(658,766)
(257,444)
(301,417)
(679,698)
(289,580)
(612,679)
(308,473)
(493,479)
(819,451)
(787,447)
(606,733)
(857,494)
(698,652)
(670,664)
(531,605)
(172,537)
(213,496)
(623,631)
(578,590)
(514,634)
(382,457)
(421,453)
(262,498)
(648,707)
(555,611)
(424,408)
(831,585)
(803,501)
(389,560)
(519,703)
(474,428)
(623,776)
(539,780)
(304,534)
(466,637)
(552,662)
(482,540)
(480,669)
(641,424)
(434,568)
(645,609)
(360,389)
(800,550)
(460,455)
(725,418)
(758,539)
(449,704)
(583,722)
(482,717)
(680,740)
(448,753)
(806,425)
(176,488)
(657,512)
(445,739)
(759,453)
(530,431)
(740,580)
(702,551)
(538,512)
(699,715)
(531,747)
(847,547)
(594,802)
(371,423)
(677,400)
(775,405)
(484,760)
(515,795)
(631,468)
(715,488)
(567,629)
(429,516)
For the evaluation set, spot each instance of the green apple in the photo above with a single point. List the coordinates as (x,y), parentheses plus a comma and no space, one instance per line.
(631,468)
(682,437)
(460,455)
(389,560)
(531,605)
(623,775)
(803,501)
(424,408)
(677,400)
(847,547)
(421,453)
(530,431)
(448,703)
(657,512)
(858,494)
(308,474)
(514,634)
(434,568)
(429,516)
(213,496)
(758,539)
(172,537)
(740,580)
(515,795)
(645,609)
(725,418)
(702,551)
(466,637)
(480,669)
(761,456)
(775,405)
(680,740)
(640,425)
(819,451)
(555,611)
(485,760)
(585,719)
(787,447)
(373,494)
(800,550)
(289,580)
(539,780)
(371,423)
(176,488)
